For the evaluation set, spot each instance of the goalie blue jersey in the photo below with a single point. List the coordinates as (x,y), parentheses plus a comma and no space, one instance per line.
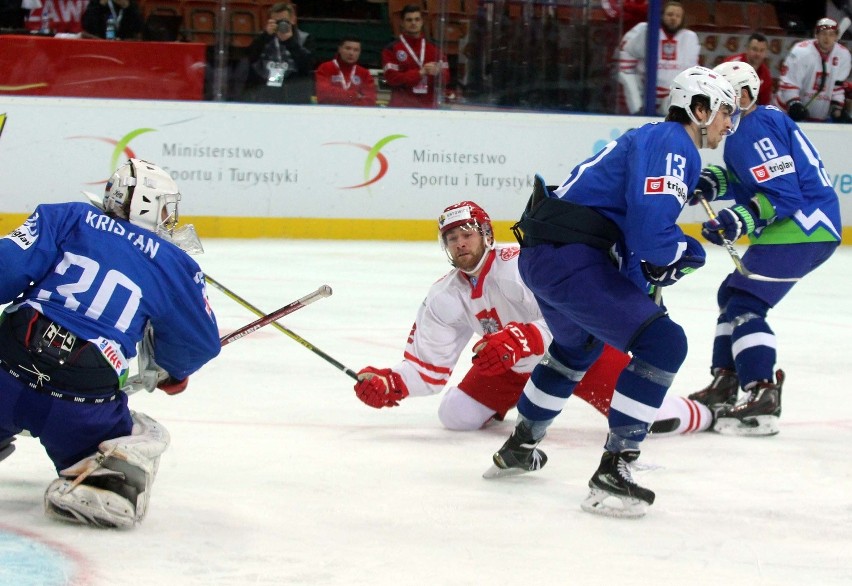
(770,155)
(104,279)
(641,188)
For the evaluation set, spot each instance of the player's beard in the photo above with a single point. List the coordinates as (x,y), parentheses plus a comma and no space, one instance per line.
(469,261)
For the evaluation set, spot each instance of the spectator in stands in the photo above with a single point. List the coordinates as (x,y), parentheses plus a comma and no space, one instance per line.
(125,13)
(413,66)
(812,77)
(755,55)
(342,81)
(280,64)
(678,50)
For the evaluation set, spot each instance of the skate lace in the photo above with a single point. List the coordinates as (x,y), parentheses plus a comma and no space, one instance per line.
(625,471)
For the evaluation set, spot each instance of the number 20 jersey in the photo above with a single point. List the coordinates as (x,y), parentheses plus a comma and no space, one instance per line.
(104,278)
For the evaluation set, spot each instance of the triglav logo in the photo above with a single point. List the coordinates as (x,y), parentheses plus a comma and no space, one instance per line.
(373,154)
(121,149)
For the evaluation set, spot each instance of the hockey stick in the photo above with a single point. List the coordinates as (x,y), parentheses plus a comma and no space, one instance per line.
(843,26)
(323,291)
(735,256)
(348,371)
(137,382)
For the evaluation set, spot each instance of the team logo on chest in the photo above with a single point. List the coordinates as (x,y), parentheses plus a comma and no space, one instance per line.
(401,56)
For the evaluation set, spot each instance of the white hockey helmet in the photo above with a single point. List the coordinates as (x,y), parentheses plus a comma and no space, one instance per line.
(701,81)
(144,194)
(740,75)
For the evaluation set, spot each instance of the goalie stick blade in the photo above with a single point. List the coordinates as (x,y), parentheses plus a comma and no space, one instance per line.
(758,426)
(600,502)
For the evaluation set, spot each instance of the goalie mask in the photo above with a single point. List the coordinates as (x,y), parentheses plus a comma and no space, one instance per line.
(700,81)
(146,196)
(469,217)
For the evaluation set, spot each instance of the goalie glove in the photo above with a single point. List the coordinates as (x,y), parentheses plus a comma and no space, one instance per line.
(498,352)
(730,224)
(380,387)
(712,184)
(691,260)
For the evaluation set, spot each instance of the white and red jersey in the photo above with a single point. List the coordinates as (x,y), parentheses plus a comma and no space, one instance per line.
(456,309)
(805,70)
(676,53)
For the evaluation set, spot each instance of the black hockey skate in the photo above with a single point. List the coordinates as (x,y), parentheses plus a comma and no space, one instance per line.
(517,456)
(6,447)
(757,413)
(613,491)
(721,390)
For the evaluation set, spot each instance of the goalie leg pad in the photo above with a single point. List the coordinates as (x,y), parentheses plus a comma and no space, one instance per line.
(99,489)
(87,505)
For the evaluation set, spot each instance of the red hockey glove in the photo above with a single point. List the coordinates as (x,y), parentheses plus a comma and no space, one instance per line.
(380,387)
(172,386)
(496,353)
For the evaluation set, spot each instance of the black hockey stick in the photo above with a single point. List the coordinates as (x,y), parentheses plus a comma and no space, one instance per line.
(735,256)
(348,371)
(322,291)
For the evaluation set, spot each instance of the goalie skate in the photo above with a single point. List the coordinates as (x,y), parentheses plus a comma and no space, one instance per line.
(518,455)
(612,490)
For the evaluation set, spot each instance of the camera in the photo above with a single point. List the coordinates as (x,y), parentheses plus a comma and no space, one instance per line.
(284,26)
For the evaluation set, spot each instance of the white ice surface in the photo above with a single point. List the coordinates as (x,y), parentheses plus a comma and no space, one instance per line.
(277,474)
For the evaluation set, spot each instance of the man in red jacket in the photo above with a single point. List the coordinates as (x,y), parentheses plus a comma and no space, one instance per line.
(412,65)
(755,55)
(342,81)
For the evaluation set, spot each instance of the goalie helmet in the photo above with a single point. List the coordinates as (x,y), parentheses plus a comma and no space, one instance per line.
(469,216)
(701,81)
(144,194)
(740,75)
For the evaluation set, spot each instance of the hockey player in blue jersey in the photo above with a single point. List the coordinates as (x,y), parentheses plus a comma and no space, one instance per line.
(85,284)
(589,249)
(785,203)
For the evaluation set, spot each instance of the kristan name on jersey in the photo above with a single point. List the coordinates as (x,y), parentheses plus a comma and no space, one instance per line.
(666,185)
(144,243)
(774,168)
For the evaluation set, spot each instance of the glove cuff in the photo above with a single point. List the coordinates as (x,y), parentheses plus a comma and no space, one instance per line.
(746,217)
(721,178)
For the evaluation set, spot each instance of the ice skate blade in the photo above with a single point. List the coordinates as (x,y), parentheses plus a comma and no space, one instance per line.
(497,472)
(600,502)
(757,426)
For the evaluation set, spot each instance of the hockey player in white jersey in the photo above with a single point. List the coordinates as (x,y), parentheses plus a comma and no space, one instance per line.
(812,77)
(678,50)
(483,296)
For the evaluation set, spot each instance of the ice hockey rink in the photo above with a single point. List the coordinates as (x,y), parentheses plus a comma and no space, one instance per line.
(277,474)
